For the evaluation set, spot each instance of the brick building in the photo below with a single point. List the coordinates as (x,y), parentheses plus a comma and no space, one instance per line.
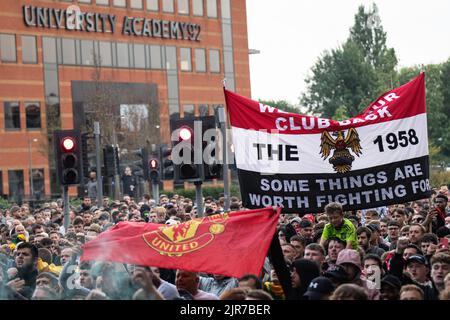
(138,62)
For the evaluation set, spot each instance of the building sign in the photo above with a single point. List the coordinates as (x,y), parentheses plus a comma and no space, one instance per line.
(74,19)
(301,163)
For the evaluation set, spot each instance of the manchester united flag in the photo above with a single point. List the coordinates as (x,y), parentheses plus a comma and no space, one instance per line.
(302,163)
(231,244)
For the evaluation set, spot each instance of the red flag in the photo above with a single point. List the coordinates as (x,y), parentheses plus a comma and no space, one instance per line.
(231,244)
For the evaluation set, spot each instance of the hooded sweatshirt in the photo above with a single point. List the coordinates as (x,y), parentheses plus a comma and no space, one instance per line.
(307,270)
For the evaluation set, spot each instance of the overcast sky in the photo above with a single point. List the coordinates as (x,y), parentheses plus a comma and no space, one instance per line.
(292,34)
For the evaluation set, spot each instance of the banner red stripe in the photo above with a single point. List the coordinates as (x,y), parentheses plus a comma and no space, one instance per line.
(402,102)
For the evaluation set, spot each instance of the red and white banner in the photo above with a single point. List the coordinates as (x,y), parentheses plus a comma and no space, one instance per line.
(301,162)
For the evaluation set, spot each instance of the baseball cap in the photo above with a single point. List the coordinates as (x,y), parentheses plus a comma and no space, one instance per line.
(319,287)
(373,227)
(336,272)
(305,224)
(392,281)
(309,217)
(419,259)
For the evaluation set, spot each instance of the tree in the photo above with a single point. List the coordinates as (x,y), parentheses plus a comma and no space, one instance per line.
(354,74)
(437,85)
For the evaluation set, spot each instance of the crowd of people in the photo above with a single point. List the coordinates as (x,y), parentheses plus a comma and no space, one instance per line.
(397,252)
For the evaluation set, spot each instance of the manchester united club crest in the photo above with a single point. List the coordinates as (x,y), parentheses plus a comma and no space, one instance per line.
(342,158)
(190,236)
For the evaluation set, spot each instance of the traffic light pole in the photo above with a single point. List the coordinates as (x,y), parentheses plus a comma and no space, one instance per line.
(66,208)
(99,166)
(226,183)
(199,198)
(155,190)
(116,168)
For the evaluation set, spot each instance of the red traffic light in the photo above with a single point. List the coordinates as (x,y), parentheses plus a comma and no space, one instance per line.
(185,133)
(68,144)
(153,163)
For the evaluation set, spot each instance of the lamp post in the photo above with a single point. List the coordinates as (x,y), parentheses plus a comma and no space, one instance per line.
(30,141)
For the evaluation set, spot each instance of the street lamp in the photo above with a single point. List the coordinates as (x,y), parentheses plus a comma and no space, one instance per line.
(30,141)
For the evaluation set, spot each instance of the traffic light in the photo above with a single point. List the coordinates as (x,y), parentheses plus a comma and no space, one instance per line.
(211,167)
(187,150)
(153,170)
(111,160)
(166,164)
(143,166)
(68,147)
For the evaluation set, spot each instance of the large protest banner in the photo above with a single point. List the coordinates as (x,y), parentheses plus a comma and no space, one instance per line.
(301,163)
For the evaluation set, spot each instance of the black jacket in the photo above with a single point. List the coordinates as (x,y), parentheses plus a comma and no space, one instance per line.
(397,265)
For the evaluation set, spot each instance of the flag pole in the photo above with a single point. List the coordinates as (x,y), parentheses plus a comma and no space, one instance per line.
(277,259)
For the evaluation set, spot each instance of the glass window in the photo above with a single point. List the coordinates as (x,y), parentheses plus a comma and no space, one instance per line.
(200,60)
(8,48)
(197,7)
(120,3)
(84,1)
(171,58)
(38,183)
(68,51)
(29,54)
(136,4)
(226,14)
(152,5)
(185,57)
(211,8)
(102,2)
(133,116)
(189,111)
(33,115)
(183,6)
(15,178)
(12,115)
(139,55)
(105,53)
(214,60)
(122,55)
(174,111)
(203,110)
(155,57)
(87,52)
(168,6)
(49,49)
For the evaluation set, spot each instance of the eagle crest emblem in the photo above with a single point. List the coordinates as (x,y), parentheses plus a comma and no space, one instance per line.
(342,158)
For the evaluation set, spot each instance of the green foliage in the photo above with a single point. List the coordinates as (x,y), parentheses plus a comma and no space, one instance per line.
(4,204)
(209,191)
(75,202)
(354,74)
(281,105)
(440,178)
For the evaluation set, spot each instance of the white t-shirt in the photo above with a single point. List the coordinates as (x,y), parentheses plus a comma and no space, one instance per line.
(202,295)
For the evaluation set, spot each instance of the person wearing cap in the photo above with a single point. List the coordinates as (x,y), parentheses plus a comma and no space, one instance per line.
(337,275)
(338,227)
(351,261)
(417,269)
(306,230)
(320,288)
(390,288)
